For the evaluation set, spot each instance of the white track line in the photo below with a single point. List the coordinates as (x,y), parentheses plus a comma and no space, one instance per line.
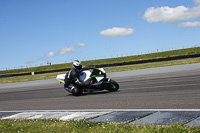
(103,110)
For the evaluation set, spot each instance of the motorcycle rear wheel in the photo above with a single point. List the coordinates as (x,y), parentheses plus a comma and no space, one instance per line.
(114,86)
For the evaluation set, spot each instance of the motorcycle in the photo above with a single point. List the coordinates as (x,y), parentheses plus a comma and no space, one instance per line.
(97,78)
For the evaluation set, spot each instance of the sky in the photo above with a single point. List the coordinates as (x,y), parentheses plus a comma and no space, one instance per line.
(34,32)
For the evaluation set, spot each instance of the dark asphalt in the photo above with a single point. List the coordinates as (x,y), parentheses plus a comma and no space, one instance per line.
(169,90)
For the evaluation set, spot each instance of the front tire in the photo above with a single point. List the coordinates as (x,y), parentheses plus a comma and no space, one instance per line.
(114,86)
(77,91)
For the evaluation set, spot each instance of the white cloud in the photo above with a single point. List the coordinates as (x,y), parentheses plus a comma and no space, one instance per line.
(189,24)
(30,61)
(80,44)
(117,32)
(197,2)
(50,54)
(63,51)
(169,15)
(66,51)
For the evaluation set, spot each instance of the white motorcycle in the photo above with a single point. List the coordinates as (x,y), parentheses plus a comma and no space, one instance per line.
(97,78)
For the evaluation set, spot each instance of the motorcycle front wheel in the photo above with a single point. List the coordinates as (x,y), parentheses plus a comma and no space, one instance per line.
(77,91)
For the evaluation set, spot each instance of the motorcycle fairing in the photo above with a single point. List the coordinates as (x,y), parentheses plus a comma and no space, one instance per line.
(98,72)
(84,76)
(61,78)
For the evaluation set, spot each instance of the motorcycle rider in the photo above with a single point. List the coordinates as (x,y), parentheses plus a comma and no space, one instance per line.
(71,78)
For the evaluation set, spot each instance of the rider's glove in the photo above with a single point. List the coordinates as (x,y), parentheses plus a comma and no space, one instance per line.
(77,82)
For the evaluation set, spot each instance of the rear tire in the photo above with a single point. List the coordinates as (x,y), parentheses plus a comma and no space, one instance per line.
(114,86)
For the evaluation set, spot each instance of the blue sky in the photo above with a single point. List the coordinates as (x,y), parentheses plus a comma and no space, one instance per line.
(33,32)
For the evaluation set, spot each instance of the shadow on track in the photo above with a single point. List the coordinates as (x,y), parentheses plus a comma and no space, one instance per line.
(92,93)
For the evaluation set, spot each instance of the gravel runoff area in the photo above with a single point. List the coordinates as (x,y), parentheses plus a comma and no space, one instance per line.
(135,117)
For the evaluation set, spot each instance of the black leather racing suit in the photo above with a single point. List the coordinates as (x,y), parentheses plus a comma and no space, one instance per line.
(71,78)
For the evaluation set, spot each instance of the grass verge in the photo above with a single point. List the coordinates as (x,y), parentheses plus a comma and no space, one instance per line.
(84,126)
(108,69)
(165,54)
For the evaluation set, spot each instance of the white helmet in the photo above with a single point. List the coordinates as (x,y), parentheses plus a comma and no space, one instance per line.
(77,65)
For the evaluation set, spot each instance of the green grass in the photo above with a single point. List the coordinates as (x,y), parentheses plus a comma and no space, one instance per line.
(83,126)
(108,69)
(29,77)
(153,65)
(173,53)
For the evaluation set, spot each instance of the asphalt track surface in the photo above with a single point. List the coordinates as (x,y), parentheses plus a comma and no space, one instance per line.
(176,87)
